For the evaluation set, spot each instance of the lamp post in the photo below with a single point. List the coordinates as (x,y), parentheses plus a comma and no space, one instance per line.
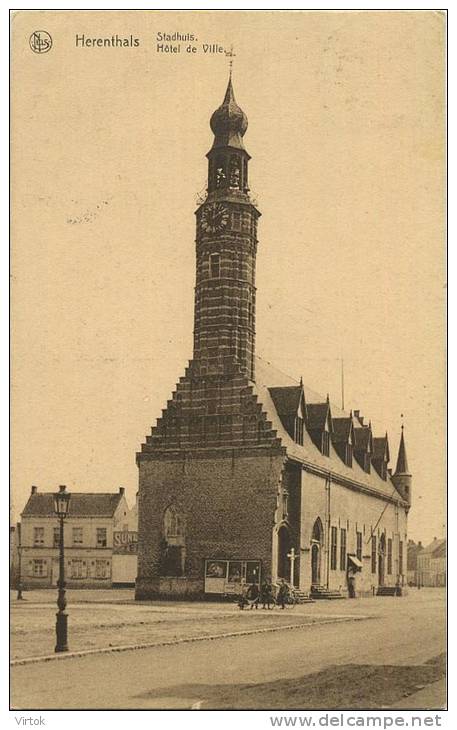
(61,505)
(19,551)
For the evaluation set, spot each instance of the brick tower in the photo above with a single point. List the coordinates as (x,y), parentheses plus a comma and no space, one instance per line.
(226,252)
(213,454)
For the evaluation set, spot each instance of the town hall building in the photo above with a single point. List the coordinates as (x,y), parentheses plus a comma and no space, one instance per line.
(248,475)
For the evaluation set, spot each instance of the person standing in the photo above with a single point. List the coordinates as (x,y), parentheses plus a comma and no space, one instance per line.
(283,592)
(266,594)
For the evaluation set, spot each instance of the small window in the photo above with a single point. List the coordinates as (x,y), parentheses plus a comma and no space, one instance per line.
(101,537)
(250,318)
(342,549)
(78,569)
(39,568)
(56,537)
(38,535)
(236,220)
(102,569)
(359,545)
(77,535)
(214,266)
(246,218)
(333,548)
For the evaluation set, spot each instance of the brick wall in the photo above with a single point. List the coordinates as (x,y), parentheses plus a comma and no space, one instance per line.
(228,499)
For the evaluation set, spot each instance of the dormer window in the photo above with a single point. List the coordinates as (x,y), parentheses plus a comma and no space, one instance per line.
(325,443)
(299,430)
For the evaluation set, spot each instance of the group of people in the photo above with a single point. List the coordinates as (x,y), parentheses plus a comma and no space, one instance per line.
(252,595)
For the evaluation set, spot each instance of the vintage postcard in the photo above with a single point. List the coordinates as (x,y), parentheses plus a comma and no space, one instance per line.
(228,482)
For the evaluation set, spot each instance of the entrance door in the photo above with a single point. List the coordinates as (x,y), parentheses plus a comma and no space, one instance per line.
(315,565)
(284,545)
(317,541)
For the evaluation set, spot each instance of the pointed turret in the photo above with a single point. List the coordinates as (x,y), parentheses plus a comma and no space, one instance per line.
(402,478)
(402,461)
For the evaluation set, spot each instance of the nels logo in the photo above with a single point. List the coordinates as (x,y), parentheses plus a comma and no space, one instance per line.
(40,41)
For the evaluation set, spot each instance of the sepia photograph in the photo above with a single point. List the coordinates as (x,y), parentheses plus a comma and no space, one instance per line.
(228,361)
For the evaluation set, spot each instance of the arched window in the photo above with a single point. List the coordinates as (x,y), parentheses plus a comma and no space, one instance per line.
(174,543)
(220,173)
(235,172)
(318,531)
(173,524)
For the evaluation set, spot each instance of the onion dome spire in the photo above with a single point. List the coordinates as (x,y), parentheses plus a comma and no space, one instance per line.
(229,122)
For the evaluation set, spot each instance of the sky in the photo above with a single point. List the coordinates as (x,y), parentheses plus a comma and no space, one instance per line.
(346,134)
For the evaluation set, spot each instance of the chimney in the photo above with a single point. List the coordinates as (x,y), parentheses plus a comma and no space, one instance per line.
(419,544)
(34,490)
(121,490)
(357,414)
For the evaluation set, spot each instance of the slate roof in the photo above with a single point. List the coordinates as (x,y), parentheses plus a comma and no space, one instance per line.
(286,399)
(402,461)
(81,504)
(267,376)
(436,549)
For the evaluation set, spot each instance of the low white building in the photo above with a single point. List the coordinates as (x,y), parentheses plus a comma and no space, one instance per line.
(100,540)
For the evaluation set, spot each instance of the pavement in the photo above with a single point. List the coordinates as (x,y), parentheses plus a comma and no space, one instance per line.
(372,662)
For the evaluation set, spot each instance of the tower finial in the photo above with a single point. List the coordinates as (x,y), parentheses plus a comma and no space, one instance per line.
(231,56)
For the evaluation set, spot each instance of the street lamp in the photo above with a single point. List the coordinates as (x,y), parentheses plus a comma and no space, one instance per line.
(61,505)
(19,550)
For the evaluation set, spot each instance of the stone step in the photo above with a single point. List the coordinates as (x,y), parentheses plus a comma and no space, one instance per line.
(386,591)
(322,593)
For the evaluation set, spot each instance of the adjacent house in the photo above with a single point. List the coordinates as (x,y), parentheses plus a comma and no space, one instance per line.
(96,526)
(431,564)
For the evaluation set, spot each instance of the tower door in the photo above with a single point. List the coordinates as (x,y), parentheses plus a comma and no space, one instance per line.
(315,565)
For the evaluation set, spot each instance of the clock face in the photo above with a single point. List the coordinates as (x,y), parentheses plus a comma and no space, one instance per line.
(214,218)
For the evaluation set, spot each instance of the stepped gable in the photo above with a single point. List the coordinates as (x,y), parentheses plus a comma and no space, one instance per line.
(213,412)
(308,453)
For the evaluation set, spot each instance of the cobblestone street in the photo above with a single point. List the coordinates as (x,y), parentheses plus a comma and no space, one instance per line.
(375,661)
